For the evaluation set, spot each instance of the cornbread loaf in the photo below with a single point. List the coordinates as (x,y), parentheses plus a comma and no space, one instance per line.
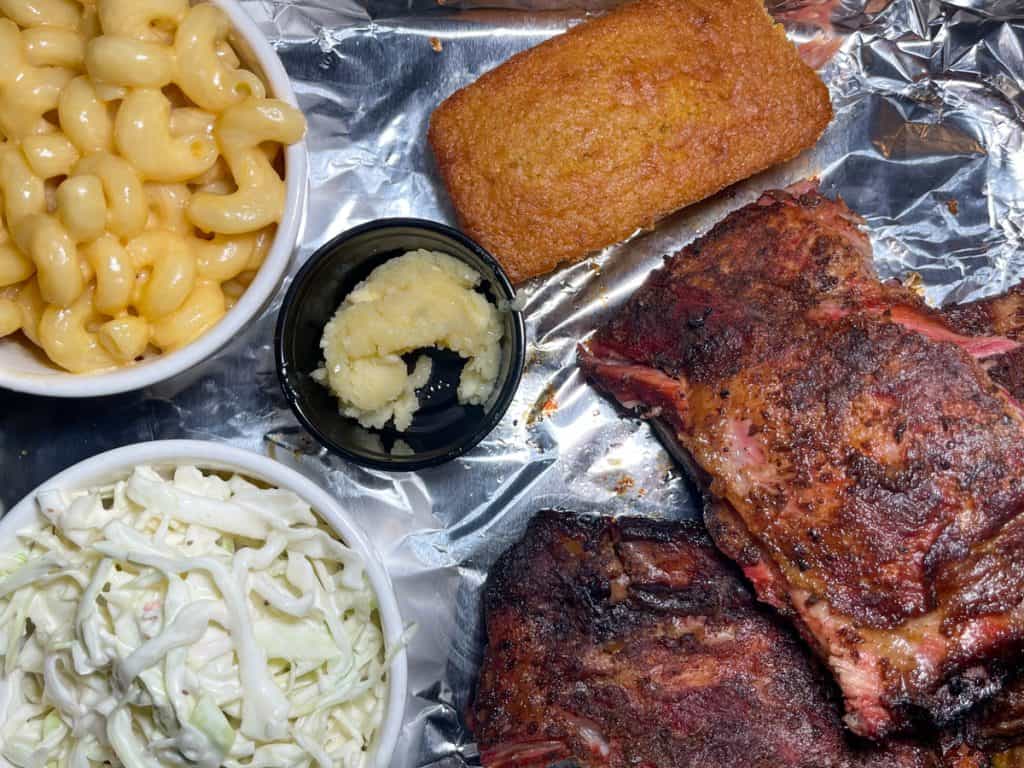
(578,142)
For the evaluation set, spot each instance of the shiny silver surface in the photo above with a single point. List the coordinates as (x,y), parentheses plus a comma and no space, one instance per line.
(927,144)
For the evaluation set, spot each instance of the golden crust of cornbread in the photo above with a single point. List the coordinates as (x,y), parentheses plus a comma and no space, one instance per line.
(575,144)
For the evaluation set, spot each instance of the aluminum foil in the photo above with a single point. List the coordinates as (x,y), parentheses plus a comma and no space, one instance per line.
(927,144)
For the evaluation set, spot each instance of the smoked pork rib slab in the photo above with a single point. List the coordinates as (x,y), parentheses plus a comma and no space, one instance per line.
(633,642)
(862,466)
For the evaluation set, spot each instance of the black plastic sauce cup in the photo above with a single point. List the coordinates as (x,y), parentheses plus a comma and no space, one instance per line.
(442,428)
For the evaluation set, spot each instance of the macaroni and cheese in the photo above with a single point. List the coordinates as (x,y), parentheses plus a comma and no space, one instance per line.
(140,176)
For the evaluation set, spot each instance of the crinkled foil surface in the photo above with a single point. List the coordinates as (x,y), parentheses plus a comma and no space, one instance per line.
(927,144)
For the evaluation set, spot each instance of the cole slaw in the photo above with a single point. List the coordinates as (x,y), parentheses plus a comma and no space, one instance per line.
(187,619)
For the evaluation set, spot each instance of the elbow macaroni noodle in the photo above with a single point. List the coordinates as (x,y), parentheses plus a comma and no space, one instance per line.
(138,176)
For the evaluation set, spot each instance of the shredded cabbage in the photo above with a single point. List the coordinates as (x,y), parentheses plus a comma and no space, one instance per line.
(187,620)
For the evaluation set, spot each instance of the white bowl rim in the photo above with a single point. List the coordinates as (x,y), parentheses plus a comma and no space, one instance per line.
(59,383)
(204,454)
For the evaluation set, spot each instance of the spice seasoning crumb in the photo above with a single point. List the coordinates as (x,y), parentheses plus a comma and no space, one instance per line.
(624,485)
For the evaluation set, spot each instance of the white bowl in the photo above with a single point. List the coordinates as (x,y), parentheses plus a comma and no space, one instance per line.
(24,368)
(117,464)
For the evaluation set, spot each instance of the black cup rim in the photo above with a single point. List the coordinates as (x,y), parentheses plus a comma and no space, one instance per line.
(492,416)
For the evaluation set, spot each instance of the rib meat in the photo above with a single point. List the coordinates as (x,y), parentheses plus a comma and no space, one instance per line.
(634,643)
(863,455)
(999,315)
(1000,724)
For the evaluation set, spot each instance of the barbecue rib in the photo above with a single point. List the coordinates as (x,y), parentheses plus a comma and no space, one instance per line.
(632,642)
(861,464)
